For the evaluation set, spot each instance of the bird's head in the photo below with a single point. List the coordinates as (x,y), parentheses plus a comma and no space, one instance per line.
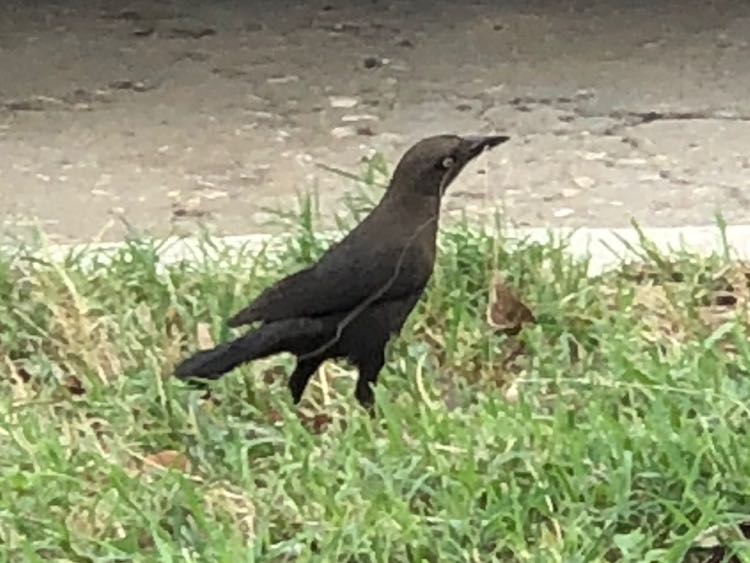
(431,164)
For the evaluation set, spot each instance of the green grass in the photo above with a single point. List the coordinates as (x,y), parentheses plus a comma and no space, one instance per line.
(624,439)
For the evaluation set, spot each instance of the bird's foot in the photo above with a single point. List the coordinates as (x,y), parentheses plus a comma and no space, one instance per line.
(365,397)
(297,389)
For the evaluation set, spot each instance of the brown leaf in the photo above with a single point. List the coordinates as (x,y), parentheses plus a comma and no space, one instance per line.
(168,459)
(506,312)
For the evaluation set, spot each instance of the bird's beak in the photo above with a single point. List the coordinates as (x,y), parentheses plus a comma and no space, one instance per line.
(476,144)
(471,147)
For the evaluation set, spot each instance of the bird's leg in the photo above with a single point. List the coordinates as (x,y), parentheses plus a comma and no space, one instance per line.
(301,375)
(369,368)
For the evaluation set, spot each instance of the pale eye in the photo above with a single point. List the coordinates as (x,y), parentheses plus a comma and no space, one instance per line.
(448,162)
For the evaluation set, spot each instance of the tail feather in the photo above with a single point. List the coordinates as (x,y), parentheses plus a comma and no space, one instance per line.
(273,338)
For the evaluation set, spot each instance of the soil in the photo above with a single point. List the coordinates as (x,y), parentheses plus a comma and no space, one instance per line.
(163,117)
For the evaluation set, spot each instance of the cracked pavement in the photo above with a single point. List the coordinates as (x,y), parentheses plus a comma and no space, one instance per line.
(168,116)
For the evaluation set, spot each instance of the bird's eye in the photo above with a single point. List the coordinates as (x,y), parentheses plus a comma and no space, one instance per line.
(447,162)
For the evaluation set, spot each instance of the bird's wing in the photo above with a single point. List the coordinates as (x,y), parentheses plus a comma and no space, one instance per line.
(357,268)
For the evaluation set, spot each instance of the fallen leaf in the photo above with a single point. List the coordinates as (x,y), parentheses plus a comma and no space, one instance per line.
(506,312)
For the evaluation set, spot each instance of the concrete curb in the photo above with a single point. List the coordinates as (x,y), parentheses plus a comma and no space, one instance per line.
(605,248)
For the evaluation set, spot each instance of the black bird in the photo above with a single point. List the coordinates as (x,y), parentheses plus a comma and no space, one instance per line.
(359,294)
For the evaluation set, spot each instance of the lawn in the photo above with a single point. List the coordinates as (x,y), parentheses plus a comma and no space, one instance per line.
(614,428)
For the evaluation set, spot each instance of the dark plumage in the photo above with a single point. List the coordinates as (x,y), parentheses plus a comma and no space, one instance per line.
(361,291)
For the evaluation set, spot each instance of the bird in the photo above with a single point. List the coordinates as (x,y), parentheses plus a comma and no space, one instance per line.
(358,295)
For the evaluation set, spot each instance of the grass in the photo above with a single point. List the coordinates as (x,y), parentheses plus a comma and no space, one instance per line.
(618,434)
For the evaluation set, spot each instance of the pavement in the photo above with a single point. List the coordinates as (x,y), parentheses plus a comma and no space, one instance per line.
(167,117)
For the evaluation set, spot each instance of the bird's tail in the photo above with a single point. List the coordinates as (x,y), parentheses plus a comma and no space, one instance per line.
(290,335)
